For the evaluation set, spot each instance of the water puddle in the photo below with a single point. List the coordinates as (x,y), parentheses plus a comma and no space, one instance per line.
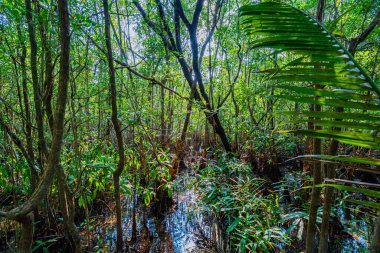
(183,229)
(352,231)
(356,242)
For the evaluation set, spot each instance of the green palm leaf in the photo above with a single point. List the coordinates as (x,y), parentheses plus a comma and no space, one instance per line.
(319,58)
(348,159)
(367,192)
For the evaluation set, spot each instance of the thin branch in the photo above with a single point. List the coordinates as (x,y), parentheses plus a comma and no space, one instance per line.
(132,70)
(336,180)
(197,13)
(165,23)
(151,79)
(181,13)
(354,42)
(212,30)
(152,25)
(17,142)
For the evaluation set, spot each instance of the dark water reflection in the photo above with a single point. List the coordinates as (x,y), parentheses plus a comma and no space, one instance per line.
(183,229)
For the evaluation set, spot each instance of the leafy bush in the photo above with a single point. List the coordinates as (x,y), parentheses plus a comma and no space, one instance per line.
(92,174)
(230,191)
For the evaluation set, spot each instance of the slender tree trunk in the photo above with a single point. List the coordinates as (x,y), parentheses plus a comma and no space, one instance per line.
(28,124)
(311,235)
(170,113)
(134,206)
(36,90)
(237,113)
(329,200)
(207,135)
(329,196)
(116,125)
(64,194)
(49,83)
(65,199)
(375,245)
(162,117)
(162,100)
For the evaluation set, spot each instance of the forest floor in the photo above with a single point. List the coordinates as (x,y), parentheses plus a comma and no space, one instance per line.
(183,228)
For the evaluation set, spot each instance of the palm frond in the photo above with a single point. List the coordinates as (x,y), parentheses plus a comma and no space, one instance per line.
(319,59)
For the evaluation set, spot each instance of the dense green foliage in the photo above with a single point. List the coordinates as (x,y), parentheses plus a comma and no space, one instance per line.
(266,102)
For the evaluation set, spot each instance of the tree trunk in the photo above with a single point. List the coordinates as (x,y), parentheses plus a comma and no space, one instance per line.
(68,213)
(36,90)
(375,245)
(116,125)
(67,206)
(162,117)
(329,196)
(329,200)
(49,83)
(28,124)
(311,235)
(26,237)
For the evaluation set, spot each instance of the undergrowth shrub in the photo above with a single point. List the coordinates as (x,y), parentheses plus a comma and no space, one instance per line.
(231,191)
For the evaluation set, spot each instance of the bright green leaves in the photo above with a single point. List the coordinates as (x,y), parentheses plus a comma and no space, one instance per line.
(233,225)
